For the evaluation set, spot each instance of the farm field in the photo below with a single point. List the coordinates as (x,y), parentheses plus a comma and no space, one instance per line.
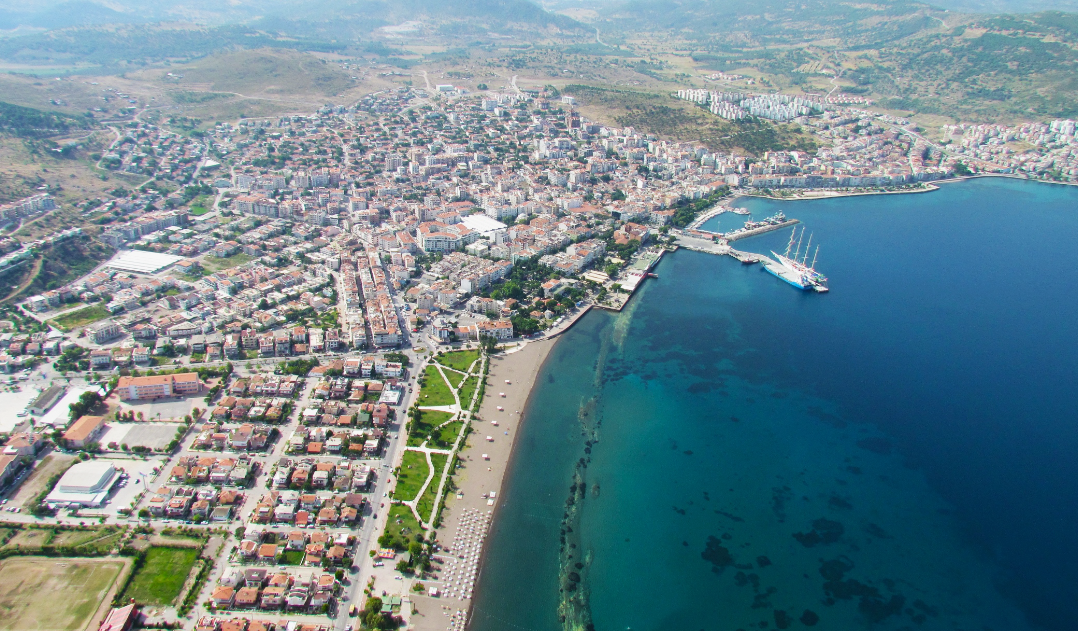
(33,586)
(161,578)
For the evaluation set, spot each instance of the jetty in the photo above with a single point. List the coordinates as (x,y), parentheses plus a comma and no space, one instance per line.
(741,234)
(702,219)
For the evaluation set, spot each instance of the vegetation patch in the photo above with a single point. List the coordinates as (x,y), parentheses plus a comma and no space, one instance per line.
(161,575)
(401,528)
(213,264)
(433,389)
(458,360)
(411,475)
(468,390)
(445,436)
(80,318)
(422,423)
(27,122)
(425,505)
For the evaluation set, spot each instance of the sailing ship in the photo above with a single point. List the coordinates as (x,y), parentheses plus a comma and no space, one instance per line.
(794,267)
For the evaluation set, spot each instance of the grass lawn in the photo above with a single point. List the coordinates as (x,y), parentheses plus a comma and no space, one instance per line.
(428,420)
(444,437)
(60,594)
(460,360)
(455,378)
(292,557)
(425,505)
(201,205)
(411,476)
(213,264)
(467,390)
(82,317)
(401,528)
(161,577)
(434,391)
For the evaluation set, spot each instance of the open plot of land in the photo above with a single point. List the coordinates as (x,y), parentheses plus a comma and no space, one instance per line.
(49,466)
(33,587)
(434,391)
(162,575)
(459,360)
(413,473)
(428,420)
(214,264)
(80,317)
(152,435)
(30,538)
(103,539)
(161,409)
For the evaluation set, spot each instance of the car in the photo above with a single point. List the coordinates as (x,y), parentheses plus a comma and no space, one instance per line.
(378,564)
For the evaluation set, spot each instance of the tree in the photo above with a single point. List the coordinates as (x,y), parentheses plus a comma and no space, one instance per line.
(488,344)
(373,618)
(86,402)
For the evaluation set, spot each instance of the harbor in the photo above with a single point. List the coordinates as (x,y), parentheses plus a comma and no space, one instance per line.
(791,267)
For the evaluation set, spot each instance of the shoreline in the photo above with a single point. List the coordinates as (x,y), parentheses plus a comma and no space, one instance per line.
(931,186)
(477,477)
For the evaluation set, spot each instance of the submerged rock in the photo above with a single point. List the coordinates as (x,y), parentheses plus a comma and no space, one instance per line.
(809,618)
(824,531)
(717,555)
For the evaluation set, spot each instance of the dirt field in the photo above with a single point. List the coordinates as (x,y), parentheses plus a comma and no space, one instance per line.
(49,466)
(33,586)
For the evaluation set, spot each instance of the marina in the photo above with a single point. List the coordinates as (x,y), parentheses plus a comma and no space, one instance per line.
(791,267)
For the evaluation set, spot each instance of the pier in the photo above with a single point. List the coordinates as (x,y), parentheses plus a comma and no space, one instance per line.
(734,236)
(702,219)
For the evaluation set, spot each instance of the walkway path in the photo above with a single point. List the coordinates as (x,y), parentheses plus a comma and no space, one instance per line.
(459,414)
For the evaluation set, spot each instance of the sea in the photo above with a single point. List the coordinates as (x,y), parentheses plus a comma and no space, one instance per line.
(729,452)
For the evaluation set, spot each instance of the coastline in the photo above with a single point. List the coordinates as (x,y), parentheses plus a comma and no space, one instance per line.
(477,477)
(812,194)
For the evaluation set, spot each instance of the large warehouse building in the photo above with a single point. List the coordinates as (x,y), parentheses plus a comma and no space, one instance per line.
(86,484)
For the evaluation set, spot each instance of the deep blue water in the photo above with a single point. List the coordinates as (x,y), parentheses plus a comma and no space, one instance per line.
(897,454)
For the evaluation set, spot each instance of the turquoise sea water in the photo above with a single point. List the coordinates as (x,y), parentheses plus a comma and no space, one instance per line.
(731,453)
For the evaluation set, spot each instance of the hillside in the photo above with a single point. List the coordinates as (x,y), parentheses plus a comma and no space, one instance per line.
(264,71)
(655,113)
(27,122)
(54,267)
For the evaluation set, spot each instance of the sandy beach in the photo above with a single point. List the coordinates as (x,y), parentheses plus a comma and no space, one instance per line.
(468,512)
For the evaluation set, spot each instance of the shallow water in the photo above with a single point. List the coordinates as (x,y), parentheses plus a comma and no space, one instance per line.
(896,454)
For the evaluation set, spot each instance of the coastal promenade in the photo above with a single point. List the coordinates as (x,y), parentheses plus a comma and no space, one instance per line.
(484,461)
